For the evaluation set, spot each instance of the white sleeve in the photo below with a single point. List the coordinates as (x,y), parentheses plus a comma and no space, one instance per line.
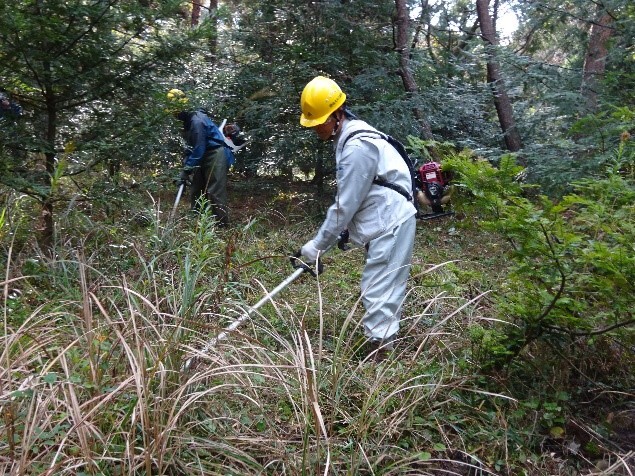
(356,169)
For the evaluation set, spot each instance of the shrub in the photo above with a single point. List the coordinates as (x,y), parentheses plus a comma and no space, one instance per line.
(571,283)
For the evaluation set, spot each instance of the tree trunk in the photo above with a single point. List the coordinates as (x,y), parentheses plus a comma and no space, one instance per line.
(46,216)
(196,11)
(595,60)
(401,45)
(503,105)
(46,213)
(320,174)
(213,39)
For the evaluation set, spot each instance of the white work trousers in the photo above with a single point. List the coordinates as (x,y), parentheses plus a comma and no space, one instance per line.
(384,279)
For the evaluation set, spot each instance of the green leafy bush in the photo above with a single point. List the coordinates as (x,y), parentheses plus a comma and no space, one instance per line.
(571,283)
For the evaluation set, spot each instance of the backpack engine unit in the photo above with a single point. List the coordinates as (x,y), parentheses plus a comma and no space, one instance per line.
(429,183)
(435,190)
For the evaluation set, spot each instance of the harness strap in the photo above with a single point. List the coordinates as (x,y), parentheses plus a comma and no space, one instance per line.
(393,186)
(385,183)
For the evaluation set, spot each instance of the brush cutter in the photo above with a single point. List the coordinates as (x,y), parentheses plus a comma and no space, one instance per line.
(178,199)
(184,179)
(300,268)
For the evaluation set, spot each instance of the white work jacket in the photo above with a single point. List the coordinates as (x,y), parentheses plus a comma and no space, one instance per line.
(366,209)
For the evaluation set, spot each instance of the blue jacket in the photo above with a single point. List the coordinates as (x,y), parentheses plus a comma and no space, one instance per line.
(201,134)
(14,111)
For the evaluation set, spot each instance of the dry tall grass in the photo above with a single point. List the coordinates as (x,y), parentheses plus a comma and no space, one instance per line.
(92,382)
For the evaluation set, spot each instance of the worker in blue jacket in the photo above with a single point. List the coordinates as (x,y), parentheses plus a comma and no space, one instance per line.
(207,159)
(9,109)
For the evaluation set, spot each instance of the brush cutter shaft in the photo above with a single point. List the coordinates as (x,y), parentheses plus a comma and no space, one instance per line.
(178,199)
(299,270)
(234,325)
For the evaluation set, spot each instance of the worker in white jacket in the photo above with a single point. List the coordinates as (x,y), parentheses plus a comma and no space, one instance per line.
(373,202)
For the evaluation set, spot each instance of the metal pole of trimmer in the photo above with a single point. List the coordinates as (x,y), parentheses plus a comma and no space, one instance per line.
(178,199)
(300,269)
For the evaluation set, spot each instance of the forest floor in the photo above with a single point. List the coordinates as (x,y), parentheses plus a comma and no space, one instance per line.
(310,400)
(595,426)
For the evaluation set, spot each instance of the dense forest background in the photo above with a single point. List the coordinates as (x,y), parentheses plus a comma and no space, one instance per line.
(518,349)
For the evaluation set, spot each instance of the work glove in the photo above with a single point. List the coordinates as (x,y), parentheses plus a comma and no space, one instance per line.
(307,259)
(310,252)
(185,177)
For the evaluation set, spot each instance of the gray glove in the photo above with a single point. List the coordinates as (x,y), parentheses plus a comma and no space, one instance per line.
(310,252)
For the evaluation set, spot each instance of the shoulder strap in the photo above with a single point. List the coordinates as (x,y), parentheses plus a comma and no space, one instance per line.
(361,131)
(398,146)
(393,186)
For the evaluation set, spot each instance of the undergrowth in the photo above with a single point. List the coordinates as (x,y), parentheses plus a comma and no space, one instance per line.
(96,335)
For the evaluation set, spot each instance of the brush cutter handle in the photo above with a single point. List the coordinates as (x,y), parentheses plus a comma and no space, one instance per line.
(297,263)
(342,241)
(342,244)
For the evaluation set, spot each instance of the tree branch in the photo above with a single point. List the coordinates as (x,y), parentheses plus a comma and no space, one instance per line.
(595,332)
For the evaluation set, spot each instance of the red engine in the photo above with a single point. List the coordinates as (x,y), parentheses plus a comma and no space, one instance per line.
(435,188)
(431,173)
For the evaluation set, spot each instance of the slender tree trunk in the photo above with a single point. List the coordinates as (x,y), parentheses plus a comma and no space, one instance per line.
(46,214)
(494,78)
(213,40)
(595,60)
(401,45)
(196,11)
(320,174)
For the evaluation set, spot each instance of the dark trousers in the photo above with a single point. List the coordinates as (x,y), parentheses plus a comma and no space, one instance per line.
(210,181)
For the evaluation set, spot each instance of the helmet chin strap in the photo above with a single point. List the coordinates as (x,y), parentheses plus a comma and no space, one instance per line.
(336,129)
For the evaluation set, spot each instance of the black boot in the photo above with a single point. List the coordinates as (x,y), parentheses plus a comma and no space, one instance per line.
(381,349)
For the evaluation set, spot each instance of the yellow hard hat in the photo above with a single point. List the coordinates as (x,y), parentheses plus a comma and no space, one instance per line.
(177,96)
(320,98)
